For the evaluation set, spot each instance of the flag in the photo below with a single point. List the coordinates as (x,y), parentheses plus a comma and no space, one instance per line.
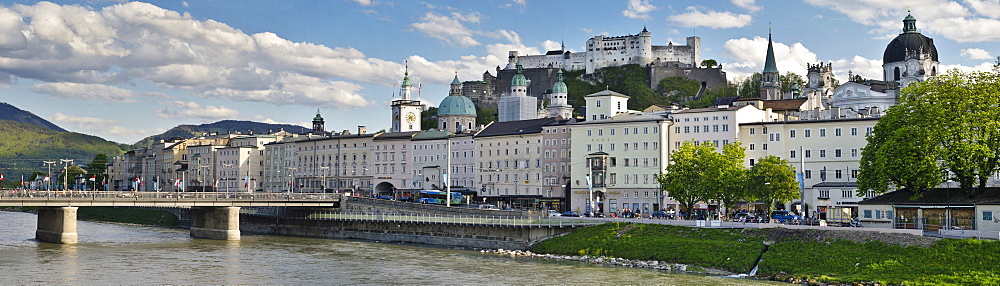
(177,183)
(1,177)
(93,178)
(46,177)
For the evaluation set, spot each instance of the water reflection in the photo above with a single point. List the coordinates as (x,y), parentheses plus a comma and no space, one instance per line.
(118,254)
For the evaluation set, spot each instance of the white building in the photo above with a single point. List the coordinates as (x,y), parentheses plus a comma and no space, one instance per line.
(716,125)
(393,167)
(829,150)
(621,154)
(517,105)
(604,51)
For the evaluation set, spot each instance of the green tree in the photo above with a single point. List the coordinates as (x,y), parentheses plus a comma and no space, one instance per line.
(750,86)
(677,89)
(732,176)
(486,115)
(944,127)
(699,173)
(428,118)
(772,180)
(97,168)
(790,79)
(709,63)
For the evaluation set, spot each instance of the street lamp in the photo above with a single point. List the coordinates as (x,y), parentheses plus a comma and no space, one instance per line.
(322,184)
(227,166)
(66,171)
(48,180)
(291,178)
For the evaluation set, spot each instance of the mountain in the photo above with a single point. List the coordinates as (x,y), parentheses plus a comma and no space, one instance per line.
(25,146)
(221,127)
(9,112)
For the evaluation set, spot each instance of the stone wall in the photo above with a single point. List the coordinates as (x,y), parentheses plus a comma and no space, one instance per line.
(377,206)
(712,77)
(460,235)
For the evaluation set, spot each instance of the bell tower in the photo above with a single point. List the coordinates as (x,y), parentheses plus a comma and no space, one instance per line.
(406,111)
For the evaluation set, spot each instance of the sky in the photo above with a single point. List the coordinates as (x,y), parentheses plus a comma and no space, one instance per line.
(127,70)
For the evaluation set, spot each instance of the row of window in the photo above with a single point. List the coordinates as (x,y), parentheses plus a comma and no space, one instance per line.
(705,118)
(703,128)
(837,153)
(625,146)
(624,131)
(715,143)
(837,132)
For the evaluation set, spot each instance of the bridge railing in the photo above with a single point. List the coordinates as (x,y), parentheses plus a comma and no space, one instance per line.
(126,195)
(448,219)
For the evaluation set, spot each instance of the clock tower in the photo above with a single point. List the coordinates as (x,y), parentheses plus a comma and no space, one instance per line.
(405,111)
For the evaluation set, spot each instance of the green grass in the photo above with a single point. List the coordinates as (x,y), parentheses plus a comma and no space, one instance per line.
(947,262)
(716,248)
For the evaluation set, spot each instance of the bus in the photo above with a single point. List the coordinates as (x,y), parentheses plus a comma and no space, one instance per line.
(437,197)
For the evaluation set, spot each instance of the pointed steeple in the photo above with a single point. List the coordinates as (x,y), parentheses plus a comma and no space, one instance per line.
(770,65)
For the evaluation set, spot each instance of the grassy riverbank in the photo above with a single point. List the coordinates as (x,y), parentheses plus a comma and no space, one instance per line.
(116,215)
(947,261)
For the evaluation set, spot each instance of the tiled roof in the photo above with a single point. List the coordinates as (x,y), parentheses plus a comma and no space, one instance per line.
(432,134)
(784,104)
(396,135)
(514,127)
(630,117)
(606,93)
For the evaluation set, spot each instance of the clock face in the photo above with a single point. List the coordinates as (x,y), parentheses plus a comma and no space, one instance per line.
(913,67)
(411,117)
(395,116)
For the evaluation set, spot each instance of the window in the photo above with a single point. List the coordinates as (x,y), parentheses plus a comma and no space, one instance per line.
(824,194)
(763,146)
(854,152)
(822,132)
(791,133)
(715,128)
(836,132)
(807,133)
(808,153)
(725,128)
(676,130)
(847,193)
(854,174)
(752,131)
(589,132)
(822,153)
(600,132)
(854,131)
(868,213)
(751,145)
(809,174)
(588,148)
(868,131)
(837,153)
(687,129)
(987,215)
(696,128)
(791,154)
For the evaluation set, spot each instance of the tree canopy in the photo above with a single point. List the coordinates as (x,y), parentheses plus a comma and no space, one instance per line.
(772,180)
(698,173)
(945,128)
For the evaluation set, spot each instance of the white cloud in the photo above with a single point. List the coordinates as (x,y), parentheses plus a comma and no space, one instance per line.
(965,21)
(747,4)
(363,2)
(472,17)
(93,125)
(587,30)
(84,53)
(858,65)
(183,110)
(550,45)
(185,4)
(976,54)
(85,91)
(983,67)
(746,56)
(638,9)
(712,19)
(444,28)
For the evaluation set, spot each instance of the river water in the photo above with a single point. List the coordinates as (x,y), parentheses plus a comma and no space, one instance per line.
(110,254)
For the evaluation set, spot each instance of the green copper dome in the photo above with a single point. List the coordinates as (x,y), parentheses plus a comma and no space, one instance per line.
(560,86)
(317,118)
(406,77)
(456,105)
(455,81)
(518,79)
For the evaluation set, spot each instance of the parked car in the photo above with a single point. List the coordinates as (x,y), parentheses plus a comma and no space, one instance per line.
(784,216)
(554,213)
(572,214)
(745,217)
(658,214)
(384,198)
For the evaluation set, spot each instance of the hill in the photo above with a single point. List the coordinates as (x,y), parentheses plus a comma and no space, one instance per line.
(25,146)
(9,112)
(221,127)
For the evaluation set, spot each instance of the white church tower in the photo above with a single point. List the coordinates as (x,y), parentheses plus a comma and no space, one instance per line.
(405,111)
(518,105)
(558,101)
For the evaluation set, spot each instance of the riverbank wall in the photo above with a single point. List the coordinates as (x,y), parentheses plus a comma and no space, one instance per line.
(466,235)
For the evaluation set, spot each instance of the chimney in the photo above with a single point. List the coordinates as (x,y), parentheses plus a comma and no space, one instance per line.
(249,131)
(362,129)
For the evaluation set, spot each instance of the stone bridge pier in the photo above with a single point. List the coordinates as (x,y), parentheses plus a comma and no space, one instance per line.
(222,223)
(57,225)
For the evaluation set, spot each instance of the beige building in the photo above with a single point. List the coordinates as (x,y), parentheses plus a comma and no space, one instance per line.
(510,162)
(556,163)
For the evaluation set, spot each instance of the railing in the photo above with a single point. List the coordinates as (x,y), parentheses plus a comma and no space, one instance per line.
(34,195)
(450,219)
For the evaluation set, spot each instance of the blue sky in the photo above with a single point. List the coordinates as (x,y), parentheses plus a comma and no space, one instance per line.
(126,70)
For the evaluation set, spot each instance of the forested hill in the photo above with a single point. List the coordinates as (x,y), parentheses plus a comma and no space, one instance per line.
(9,112)
(25,145)
(221,127)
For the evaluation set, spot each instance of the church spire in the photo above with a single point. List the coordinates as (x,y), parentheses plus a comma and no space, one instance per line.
(770,65)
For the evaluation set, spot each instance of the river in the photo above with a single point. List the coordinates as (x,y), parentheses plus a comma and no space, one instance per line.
(111,254)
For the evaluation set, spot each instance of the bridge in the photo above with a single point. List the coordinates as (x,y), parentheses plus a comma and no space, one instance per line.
(214,215)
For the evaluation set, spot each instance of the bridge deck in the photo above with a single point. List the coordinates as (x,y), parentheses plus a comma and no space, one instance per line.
(26,198)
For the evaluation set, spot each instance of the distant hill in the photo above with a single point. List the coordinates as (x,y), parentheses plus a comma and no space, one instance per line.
(25,146)
(221,127)
(9,112)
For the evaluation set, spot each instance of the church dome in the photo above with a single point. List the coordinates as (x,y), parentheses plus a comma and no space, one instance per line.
(910,41)
(519,79)
(456,105)
(560,86)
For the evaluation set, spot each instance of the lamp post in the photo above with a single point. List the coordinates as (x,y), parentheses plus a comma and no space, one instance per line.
(48,180)
(291,178)
(322,184)
(227,166)
(66,171)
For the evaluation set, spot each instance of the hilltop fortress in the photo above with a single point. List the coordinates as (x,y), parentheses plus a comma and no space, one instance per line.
(605,51)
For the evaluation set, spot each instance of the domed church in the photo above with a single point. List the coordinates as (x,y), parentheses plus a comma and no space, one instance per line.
(456,113)
(910,57)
